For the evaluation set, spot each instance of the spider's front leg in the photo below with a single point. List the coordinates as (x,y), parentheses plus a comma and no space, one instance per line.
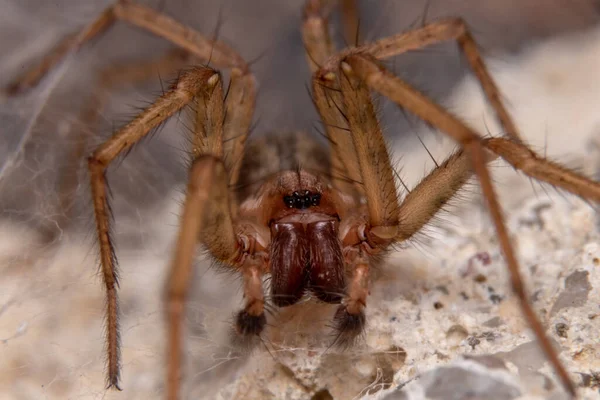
(360,153)
(513,151)
(209,214)
(384,221)
(215,226)
(188,86)
(230,117)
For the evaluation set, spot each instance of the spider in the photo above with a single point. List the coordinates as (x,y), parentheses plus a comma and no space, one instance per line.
(313,233)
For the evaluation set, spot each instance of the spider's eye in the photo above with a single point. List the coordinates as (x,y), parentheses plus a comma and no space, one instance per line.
(315,199)
(305,200)
(289,201)
(302,201)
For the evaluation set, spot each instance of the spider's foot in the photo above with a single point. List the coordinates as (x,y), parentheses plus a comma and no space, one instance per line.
(249,325)
(348,326)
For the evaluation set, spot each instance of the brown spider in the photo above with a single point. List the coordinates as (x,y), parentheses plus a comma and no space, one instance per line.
(313,232)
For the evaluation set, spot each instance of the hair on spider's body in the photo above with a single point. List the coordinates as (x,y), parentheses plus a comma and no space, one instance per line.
(312,233)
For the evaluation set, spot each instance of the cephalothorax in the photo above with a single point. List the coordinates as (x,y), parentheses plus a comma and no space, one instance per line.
(316,229)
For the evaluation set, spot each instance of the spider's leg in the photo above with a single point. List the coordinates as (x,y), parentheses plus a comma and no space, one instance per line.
(349,319)
(325,93)
(382,81)
(73,42)
(242,92)
(350,22)
(239,108)
(387,222)
(524,159)
(219,54)
(232,127)
(433,192)
(188,86)
(317,40)
(204,174)
(345,170)
(360,151)
(430,34)
(209,213)
(109,79)
(207,186)
(377,176)
(241,95)
(315,33)
(514,152)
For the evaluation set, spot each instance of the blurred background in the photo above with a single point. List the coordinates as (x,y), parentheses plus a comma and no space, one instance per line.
(57,301)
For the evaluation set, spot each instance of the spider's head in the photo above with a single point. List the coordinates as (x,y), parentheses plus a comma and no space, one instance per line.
(292,196)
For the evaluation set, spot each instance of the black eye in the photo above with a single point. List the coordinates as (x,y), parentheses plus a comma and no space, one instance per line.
(315,199)
(302,201)
(289,201)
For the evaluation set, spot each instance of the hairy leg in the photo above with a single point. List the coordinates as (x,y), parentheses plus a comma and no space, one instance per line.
(188,86)
(219,54)
(377,176)
(109,79)
(34,75)
(380,80)
(430,34)
(242,93)
(526,160)
(359,149)
(207,184)
(387,221)
(224,139)
(326,94)
(208,218)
